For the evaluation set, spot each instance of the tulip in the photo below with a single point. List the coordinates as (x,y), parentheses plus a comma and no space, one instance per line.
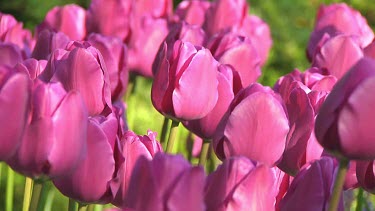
(366,175)
(156,9)
(132,147)
(338,55)
(193,12)
(69,19)
(238,184)
(10,54)
(255,125)
(47,42)
(342,125)
(81,67)
(239,52)
(337,19)
(53,142)
(99,162)
(168,182)
(183,77)
(312,187)
(15,90)
(33,67)
(115,57)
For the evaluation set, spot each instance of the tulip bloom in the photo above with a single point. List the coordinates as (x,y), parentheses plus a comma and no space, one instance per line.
(343,123)
(10,54)
(238,184)
(33,67)
(366,175)
(190,73)
(47,42)
(168,182)
(53,142)
(192,12)
(255,126)
(15,90)
(132,147)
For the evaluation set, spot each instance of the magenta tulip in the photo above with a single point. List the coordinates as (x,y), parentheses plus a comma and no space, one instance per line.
(256,126)
(366,175)
(10,54)
(239,184)
(132,147)
(47,42)
(33,67)
(193,12)
(343,123)
(69,19)
(168,182)
(337,19)
(238,52)
(53,142)
(190,73)
(15,90)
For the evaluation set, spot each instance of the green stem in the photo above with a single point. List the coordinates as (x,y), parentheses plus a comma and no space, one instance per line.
(172,136)
(359,200)
(1,167)
(72,205)
(82,207)
(204,152)
(164,130)
(9,190)
(36,195)
(339,183)
(27,193)
(91,207)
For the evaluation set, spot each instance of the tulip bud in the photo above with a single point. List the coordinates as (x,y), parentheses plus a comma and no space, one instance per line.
(366,175)
(47,42)
(10,54)
(33,67)
(193,12)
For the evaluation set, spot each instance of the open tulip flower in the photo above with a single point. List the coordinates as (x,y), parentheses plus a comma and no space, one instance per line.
(181,78)
(245,127)
(343,125)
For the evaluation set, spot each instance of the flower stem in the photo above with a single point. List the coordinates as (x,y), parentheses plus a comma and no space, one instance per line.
(9,190)
(172,136)
(339,182)
(204,152)
(27,193)
(359,200)
(72,205)
(82,207)
(38,191)
(164,130)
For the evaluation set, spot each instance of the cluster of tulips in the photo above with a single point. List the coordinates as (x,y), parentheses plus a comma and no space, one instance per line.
(294,146)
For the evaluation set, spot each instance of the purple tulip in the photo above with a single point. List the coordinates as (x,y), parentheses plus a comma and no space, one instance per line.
(10,54)
(69,19)
(132,147)
(366,175)
(206,126)
(238,184)
(110,18)
(115,57)
(239,52)
(53,142)
(337,19)
(168,182)
(98,162)
(312,187)
(338,55)
(193,12)
(33,67)
(81,67)
(47,42)
(15,90)
(343,123)
(181,78)
(256,126)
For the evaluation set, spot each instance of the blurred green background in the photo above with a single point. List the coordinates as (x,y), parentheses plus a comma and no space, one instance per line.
(291,22)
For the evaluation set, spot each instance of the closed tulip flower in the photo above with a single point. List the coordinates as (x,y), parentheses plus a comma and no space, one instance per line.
(193,12)
(168,182)
(343,125)
(53,142)
(10,54)
(245,127)
(132,147)
(366,175)
(47,42)
(185,85)
(15,90)
(33,67)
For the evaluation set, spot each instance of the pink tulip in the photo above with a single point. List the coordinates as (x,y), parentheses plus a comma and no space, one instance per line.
(205,127)
(98,162)
(81,67)
(190,73)
(115,57)
(10,54)
(132,147)
(338,55)
(312,187)
(109,17)
(168,182)
(342,125)
(255,126)
(366,175)
(15,90)
(69,19)
(192,11)
(337,19)
(238,52)
(156,9)
(33,67)
(53,142)
(238,184)
(47,42)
